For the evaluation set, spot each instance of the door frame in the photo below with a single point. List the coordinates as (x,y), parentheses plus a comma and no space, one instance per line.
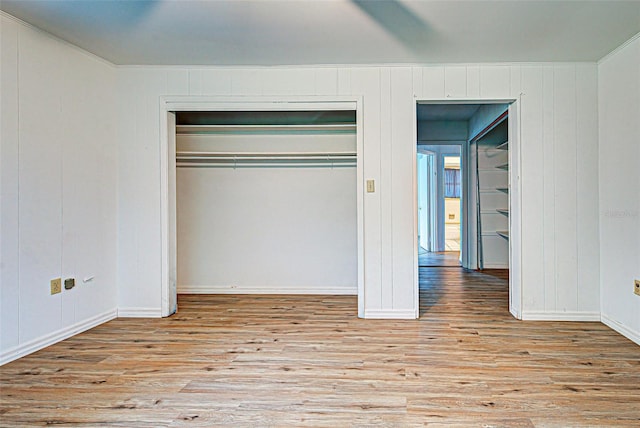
(169,105)
(515,192)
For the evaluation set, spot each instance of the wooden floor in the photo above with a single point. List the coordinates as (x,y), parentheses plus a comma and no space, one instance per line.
(440,259)
(255,361)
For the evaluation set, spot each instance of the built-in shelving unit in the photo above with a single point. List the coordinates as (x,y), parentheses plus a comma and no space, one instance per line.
(492,163)
(503,146)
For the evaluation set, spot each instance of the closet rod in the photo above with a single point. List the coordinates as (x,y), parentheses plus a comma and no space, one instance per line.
(203,156)
(194,159)
(198,129)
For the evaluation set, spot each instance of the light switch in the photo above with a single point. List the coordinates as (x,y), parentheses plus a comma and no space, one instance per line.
(371,186)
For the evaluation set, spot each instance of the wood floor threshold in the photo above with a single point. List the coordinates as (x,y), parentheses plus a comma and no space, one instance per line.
(280,361)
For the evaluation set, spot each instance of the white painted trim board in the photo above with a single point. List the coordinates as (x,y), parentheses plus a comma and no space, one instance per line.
(139,313)
(627,332)
(560,316)
(55,337)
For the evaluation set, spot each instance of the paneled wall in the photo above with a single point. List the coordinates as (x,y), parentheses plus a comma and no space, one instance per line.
(619,102)
(559,171)
(58,188)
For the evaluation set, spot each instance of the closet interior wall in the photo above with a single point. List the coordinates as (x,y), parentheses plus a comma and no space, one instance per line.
(266,209)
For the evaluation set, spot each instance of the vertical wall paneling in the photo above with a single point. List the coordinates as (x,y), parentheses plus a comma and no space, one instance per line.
(403,170)
(388,97)
(344,81)
(128,191)
(58,189)
(565,187)
(619,185)
(455,82)
(588,261)
(367,83)
(177,81)
(9,188)
(417,81)
(473,82)
(549,224)
(515,76)
(385,188)
(433,82)
(40,179)
(495,81)
(326,81)
(246,81)
(532,156)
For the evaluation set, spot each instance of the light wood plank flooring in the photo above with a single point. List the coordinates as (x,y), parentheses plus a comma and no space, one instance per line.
(309,361)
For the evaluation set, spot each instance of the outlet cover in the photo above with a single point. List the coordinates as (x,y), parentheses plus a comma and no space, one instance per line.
(636,287)
(69,283)
(56,285)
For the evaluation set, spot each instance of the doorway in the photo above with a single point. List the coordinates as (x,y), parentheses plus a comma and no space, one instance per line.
(441,124)
(439,205)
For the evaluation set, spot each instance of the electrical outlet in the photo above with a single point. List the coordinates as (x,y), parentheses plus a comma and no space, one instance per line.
(636,287)
(69,283)
(56,285)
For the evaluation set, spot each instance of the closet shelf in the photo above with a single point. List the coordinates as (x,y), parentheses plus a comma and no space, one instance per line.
(503,146)
(502,189)
(232,159)
(504,166)
(503,211)
(206,129)
(503,233)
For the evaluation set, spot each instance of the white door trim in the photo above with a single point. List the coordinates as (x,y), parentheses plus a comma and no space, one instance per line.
(171,104)
(515,192)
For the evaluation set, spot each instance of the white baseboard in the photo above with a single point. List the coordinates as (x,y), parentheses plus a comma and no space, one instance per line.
(495,266)
(55,337)
(397,314)
(627,332)
(515,313)
(560,316)
(253,289)
(139,313)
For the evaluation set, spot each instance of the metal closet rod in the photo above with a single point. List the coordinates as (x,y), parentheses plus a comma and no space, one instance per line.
(198,129)
(203,156)
(186,159)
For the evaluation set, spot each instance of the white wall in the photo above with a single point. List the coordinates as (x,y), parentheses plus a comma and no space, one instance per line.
(560,207)
(58,188)
(619,179)
(267,228)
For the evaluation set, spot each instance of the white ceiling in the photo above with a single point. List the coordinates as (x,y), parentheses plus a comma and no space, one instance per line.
(308,32)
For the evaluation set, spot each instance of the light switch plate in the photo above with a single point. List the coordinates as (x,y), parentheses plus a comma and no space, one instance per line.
(371,186)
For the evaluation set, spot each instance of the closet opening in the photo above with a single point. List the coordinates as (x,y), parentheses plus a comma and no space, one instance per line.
(262,198)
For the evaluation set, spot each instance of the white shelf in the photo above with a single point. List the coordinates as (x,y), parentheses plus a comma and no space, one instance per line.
(503,211)
(503,146)
(503,234)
